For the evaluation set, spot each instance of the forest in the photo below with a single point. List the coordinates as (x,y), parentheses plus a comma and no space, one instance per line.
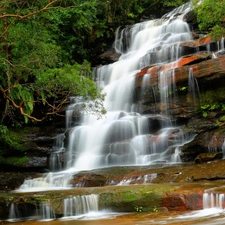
(48,49)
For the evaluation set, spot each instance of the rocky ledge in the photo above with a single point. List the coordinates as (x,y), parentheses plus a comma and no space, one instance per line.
(127,189)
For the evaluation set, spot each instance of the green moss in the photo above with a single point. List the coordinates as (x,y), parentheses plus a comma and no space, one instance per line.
(134,198)
(129,196)
(212,96)
(10,141)
(13,161)
(212,100)
(16,161)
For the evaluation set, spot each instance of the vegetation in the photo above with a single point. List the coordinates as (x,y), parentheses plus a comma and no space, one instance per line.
(35,68)
(47,49)
(210,17)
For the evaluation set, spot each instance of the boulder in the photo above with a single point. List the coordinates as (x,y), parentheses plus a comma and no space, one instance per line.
(206,157)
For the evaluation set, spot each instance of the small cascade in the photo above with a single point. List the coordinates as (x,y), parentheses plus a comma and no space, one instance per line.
(223,148)
(168,90)
(193,89)
(219,49)
(47,182)
(185,8)
(220,45)
(143,179)
(175,158)
(56,161)
(44,212)
(213,200)
(79,205)
(21,211)
(214,55)
(14,213)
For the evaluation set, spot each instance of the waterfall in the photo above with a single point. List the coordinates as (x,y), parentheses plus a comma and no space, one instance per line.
(213,200)
(124,136)
(79,205)
(21,211)
(14,213)
(213,205)
(56,159)
(193,88)
(112,140)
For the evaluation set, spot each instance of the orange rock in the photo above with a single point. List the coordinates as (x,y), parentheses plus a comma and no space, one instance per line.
(182,201)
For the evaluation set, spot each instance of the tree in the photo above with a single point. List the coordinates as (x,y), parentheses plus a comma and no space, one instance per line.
(210,16)
(45,46)
(34,69)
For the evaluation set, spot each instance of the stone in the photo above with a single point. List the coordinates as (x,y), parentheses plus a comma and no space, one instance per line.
(206,157)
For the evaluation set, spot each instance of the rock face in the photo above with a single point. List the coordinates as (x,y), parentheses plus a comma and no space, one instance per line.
(201,110)
(28,148)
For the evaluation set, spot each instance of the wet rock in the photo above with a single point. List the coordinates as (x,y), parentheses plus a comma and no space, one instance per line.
(3,208)
(156,122)
(36,162)
(197,42)
(83,179)
(183,201)
(109,56)
(209,138)
(12,181)
(206,157)
(31,148)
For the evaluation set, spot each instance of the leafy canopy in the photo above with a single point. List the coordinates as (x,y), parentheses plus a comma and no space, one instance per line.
(210,16)
(35,68)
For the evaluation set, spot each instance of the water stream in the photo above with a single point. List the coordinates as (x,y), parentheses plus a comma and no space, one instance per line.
(85,210)
(125,137)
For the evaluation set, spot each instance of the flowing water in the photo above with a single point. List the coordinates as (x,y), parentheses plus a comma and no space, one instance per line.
(124,136)
(84,210)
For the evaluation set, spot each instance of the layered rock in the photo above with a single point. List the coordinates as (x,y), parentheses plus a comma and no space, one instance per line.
(208,74)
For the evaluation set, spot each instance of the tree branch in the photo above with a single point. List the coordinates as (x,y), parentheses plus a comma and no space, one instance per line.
(47,7)
(55,109)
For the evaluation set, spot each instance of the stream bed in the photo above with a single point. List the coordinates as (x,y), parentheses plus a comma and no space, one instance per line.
(207,217)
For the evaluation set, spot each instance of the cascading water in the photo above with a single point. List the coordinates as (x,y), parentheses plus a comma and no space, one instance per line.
(22,211)
(213,200)
(193,88)
(123,136)
(79,205)
(213,206)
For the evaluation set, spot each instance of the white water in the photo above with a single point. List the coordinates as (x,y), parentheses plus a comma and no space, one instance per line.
(124,136)
(22,211)
(193,88)
(213,200)
(120,137)
(213,205)
(80,205)
(86,207)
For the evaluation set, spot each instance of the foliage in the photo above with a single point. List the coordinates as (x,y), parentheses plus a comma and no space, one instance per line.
(174,3)
(45,46)
(155,209)
(35,67)
(210,16)
(9,142)
(138,208)
(13,161)
(212,107)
